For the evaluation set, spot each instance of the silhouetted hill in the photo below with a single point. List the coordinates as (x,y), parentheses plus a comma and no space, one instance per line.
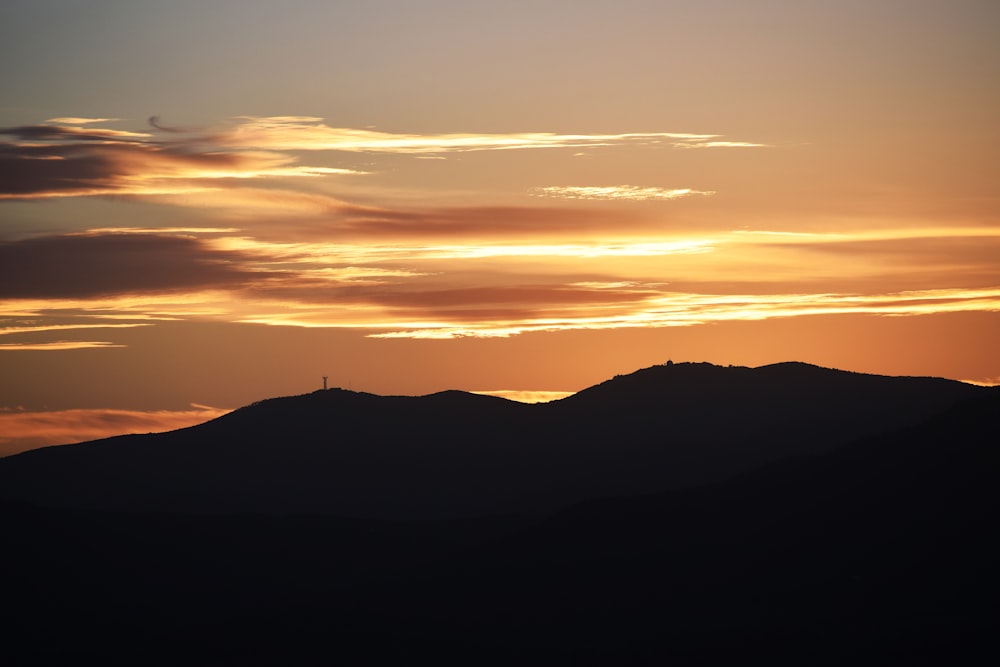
(879,552)
(456,454)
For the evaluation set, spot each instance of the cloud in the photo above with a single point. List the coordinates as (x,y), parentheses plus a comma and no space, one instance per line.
(480,221)
(40,328)
(32,135)
(46,161)
(718,144)
(36,327)
(70,156)
(59,345)
(23,430)
(435,301)
(419,271)
(985,382)
(154,121)
(427,291)
(486,299)
(617,192)
(76,120)
(456,288)
(404,255)
(305,133)
(89,265)
(910,258)
(942,250)
(667,309)
(527,396)
(33,326)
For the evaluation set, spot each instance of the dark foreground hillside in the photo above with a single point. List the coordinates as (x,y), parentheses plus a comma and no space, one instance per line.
(454,454)
(879,552)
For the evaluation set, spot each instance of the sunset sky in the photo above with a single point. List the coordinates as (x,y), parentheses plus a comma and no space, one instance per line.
(204,204)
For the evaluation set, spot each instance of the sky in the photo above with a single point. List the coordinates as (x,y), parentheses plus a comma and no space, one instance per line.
(204,204)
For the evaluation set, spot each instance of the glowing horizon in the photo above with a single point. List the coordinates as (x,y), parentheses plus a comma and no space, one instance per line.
(630,183)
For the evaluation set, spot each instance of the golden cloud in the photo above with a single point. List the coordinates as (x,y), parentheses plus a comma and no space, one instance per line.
(617,192)
(527,396)
(74,157)
(64,160)
(76,120)
(22,430)
(60,345)
(306,133)
(686,309)
(486,289)
(10,330)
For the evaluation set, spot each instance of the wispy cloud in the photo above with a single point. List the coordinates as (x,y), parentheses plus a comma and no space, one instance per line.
(147,307)
(617,192)
(23,430)
(62,160)
(73,157)
(686,309)
(985,382)
(419,270)
(305,133)
(38,328)
(76,120)
(481,222)
(718,144)
(463,288)
(60,345)
(334,252)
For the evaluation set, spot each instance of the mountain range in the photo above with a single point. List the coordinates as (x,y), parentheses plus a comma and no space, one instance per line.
(694,515)
(455,454)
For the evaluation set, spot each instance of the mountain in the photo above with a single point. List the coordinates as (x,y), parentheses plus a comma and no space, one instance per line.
(454,454)
(881,551)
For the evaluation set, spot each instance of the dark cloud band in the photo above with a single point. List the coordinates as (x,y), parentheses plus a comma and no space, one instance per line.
(82,266)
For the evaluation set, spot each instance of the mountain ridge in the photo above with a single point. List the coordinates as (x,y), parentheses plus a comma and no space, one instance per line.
(452,453)
(879,551)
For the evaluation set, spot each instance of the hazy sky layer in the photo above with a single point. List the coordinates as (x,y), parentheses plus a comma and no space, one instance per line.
(207,203)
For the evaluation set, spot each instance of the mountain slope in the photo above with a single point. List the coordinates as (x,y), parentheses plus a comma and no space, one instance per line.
(881,552)
(456,454)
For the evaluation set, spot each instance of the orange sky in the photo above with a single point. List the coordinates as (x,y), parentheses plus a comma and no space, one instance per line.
(205,206)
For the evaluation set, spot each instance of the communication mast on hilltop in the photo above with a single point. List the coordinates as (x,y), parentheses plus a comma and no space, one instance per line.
(324,382)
